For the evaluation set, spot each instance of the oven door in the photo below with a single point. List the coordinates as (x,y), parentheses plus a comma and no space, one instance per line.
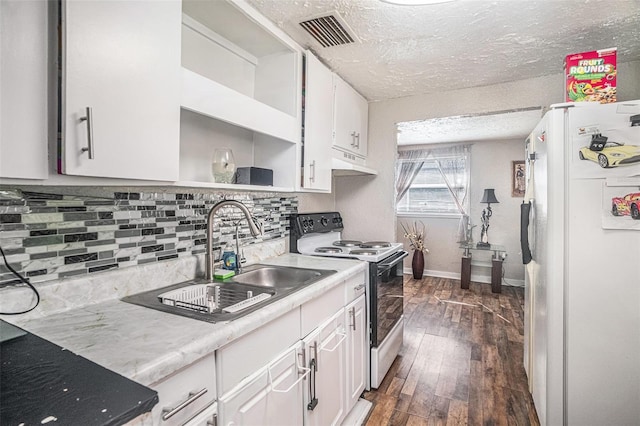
(386,295)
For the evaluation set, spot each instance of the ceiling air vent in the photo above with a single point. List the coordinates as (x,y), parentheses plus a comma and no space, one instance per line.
(330,30)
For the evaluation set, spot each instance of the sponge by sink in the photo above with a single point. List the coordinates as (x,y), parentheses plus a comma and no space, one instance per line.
(222,274)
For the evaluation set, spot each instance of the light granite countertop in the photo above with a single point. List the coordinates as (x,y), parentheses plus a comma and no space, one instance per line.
(146,345)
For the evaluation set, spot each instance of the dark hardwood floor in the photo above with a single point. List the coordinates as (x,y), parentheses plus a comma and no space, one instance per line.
(461,362)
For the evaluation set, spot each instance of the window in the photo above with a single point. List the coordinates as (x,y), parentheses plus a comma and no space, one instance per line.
(439,182)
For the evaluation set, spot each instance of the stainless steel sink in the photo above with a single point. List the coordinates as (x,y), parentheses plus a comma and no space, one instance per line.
(221,301)
(279,277)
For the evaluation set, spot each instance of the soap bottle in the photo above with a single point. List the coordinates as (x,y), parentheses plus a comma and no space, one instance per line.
(229,258)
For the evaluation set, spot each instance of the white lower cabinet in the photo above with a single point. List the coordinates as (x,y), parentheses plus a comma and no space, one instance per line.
(325,354)
(272,396)
(357,328)
(307,366)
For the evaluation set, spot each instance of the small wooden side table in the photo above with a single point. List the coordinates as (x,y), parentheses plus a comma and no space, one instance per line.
(495,265)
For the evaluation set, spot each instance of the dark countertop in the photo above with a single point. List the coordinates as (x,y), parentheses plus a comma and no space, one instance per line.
(40,380)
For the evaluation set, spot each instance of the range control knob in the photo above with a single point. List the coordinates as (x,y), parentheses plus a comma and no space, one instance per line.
(324,221)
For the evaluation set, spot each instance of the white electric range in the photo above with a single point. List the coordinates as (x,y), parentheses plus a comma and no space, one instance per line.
(320,234)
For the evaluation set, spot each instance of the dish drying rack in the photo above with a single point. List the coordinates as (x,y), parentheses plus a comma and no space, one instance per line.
(208,298)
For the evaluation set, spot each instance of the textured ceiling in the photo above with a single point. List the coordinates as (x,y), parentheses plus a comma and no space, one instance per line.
(409,50)
(513,124)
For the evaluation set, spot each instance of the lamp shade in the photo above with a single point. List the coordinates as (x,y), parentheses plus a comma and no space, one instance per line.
(489,197)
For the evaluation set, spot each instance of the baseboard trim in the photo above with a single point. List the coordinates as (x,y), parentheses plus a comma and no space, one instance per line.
(474,277)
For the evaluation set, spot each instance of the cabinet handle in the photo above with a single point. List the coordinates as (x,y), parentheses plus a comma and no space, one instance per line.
(358,140)
(170,412)
(213,421)
(358,287)
(353,139)
(342,335)
(315,356)
(352,312)
(89,119)
(312,169)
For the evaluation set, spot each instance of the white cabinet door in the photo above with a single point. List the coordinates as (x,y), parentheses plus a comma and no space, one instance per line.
(325,354)
(351,119)
(356,319)
(23,89)
(121,59)
(318,125)
(272,396)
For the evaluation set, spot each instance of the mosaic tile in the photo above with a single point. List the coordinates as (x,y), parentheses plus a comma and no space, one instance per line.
(55,236)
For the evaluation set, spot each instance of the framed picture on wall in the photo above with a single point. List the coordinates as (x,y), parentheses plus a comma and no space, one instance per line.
(518,179)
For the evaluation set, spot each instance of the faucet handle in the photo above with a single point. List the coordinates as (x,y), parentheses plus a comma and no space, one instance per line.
(257,228)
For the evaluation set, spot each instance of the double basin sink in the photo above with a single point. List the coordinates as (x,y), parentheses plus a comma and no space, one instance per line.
(226,300)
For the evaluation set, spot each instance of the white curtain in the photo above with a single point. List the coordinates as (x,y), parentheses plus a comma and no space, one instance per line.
(410,163)
(456,177)
(457,182)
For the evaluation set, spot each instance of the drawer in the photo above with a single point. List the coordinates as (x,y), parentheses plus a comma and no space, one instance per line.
(253,351)
(196,379)
(355,286)
(320,309)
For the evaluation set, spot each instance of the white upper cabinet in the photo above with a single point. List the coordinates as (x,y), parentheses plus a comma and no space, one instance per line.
(241,90)
(239,68)
(23,89)
(121,89)
(351,119)
(318,125)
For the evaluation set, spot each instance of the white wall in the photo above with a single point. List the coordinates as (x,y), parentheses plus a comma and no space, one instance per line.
(367,203)
(490,168)
(315,203)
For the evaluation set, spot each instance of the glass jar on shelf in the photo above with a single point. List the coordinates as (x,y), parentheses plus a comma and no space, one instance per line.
(223,166)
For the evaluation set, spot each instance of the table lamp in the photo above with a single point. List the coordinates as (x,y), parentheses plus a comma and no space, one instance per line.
(488,197)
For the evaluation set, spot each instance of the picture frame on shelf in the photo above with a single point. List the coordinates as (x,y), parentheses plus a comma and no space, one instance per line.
(518,178)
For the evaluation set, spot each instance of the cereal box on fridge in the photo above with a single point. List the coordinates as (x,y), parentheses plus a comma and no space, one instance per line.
(591,76)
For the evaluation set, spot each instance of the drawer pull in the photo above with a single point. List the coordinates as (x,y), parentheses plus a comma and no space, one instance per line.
(213,421)
(170,412)
(359,287)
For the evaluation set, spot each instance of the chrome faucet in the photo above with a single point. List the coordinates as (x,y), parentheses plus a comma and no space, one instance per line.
(255,227)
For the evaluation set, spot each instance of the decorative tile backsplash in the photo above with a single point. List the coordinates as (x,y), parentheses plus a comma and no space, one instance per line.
(47,237)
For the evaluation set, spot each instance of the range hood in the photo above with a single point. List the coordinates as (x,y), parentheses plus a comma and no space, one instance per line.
(345,168)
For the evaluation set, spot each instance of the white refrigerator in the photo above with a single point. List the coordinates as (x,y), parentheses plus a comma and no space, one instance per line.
(582,286)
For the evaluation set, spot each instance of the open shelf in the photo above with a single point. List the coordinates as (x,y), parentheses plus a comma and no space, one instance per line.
(237,70)
(200,136)
(212,99)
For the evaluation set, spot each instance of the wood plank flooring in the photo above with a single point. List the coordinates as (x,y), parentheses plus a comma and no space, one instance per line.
(461,362)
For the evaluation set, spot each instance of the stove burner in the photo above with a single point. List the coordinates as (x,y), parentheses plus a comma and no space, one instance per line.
(375,244)
(364,252)
(328,250)
(347,243)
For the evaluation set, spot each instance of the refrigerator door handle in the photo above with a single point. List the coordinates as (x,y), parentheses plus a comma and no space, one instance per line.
(525,210)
